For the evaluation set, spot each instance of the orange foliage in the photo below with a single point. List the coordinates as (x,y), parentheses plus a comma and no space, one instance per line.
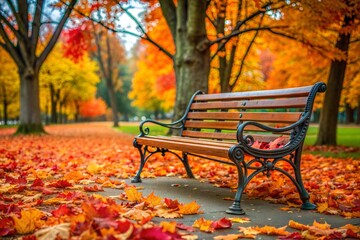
(93,108)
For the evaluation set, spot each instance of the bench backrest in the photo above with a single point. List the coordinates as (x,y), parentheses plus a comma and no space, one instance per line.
(217,116)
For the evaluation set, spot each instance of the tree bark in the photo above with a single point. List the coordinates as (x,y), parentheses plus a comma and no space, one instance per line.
(110,84)
(330,110)
(192,57)
(30,116)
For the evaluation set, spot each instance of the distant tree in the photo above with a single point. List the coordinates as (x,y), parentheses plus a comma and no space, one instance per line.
(21,31)
(9,85)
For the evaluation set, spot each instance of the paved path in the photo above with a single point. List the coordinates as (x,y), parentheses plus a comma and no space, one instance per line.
(211,200)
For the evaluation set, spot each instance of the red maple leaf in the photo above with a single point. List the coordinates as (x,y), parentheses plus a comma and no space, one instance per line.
(182,226)
(20,180)
(94,188)
(157,233)
(37,183)
(60,184)
(7,226)
(221,224)
(62,210)
(172,204)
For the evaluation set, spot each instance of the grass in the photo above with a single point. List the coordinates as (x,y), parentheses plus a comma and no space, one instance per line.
(348,139)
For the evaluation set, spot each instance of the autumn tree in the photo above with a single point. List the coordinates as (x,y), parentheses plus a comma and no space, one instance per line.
(9,84)
(21,30)
(66,82)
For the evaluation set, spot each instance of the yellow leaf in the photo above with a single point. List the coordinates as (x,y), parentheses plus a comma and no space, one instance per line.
(30,219)
(204,225)
(61,231)
(323,226)
(321,207)
(168,227)
(153,200)
(93,168)
(74,175)
(133,195)
(190,208)
(248,231)
(240,220)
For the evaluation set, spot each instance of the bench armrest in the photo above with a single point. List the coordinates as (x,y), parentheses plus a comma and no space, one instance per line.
(179,124)
(145,130)
(297,136)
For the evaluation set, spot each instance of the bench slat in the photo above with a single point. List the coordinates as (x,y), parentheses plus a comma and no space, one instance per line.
(209,135)
(271,117)
(256,104)
(222,126)
(198,148)
(279,93)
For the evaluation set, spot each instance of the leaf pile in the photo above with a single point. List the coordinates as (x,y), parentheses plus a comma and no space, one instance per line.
(51,187)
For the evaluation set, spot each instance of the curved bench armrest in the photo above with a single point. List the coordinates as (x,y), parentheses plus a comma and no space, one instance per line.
(178,124)
(298,136)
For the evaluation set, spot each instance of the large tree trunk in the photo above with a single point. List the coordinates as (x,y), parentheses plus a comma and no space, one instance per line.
(112,97)
(330,110)
(192,58)
(5,105)
(30,115)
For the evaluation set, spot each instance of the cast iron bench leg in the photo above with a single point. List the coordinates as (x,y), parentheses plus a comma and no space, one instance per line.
(137,178)
(304,195)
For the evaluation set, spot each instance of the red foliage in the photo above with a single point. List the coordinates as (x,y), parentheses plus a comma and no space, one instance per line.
(76,42)
(165,82)
(93,108)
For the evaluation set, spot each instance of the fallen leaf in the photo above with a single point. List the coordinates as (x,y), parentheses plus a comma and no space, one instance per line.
(61,231)
(28,222)
(190,208)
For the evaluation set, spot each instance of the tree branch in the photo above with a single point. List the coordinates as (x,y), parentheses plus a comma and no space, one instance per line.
(145,37)
(35,31)
(168,9)
(56,34)
(9,47)
(243,61)
(20,24)
(10,26)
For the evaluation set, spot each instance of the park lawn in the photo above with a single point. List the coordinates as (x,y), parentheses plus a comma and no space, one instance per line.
(348,138)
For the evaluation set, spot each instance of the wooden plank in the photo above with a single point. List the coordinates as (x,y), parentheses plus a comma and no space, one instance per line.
(209,135)
(271,117)
(278,93)
(198,141)
(223,126)
(256,104)
(196,148)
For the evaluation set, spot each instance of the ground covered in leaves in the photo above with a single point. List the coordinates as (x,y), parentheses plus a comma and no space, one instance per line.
(51,189)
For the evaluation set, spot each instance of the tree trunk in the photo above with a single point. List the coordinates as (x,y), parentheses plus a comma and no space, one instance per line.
(53,102)
(110,84)
(30,115)
(192,57)
(330,110)
(349,113)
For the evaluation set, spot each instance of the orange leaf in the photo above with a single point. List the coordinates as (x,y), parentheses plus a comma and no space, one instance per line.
(190,208)
(153,200)
(133,195)
(168,226)
(298,226)
(204,225)
(269,230)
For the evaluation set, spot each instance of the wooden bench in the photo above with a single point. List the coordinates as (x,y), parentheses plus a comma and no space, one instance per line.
(223,127)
